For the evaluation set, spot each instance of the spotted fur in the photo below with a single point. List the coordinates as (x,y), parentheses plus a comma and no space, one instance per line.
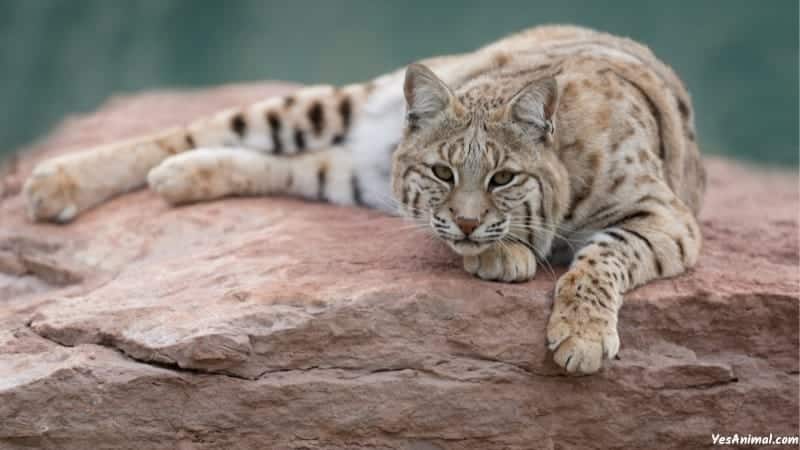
(555,141)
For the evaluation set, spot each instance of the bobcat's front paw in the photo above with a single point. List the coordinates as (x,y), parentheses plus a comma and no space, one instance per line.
(51,194)
(582,329)
(507,262)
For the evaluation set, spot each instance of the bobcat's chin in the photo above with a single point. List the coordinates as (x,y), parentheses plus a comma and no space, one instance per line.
(468,247)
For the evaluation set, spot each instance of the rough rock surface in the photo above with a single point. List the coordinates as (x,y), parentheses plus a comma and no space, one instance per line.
(276,323)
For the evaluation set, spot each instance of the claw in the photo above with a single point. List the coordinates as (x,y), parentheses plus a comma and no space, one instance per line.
(67,214)
(566,364)
(610,345)
(552,345)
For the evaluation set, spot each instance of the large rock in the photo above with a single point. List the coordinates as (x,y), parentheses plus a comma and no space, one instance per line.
(276,323)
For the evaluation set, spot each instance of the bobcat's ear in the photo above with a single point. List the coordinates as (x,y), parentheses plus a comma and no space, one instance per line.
(427,97)
(536,105)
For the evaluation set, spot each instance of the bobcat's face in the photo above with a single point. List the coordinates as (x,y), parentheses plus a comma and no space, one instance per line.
(468,167)
(472,189)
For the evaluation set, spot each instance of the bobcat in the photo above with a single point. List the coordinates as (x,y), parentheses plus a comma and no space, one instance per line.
(558,140)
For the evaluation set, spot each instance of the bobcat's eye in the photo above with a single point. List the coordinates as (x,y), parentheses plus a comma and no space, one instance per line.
(443,173)
(501,178)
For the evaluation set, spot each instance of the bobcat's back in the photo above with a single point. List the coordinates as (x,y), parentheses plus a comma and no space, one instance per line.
(595,60)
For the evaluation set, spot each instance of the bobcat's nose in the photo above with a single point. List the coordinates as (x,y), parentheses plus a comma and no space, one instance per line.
(467,225)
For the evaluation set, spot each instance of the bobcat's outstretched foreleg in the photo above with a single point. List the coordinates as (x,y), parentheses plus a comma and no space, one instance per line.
(660,239)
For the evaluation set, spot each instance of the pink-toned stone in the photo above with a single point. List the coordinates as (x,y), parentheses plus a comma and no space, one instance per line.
(278,323)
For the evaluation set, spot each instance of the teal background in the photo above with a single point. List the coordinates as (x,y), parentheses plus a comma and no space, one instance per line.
(58,57)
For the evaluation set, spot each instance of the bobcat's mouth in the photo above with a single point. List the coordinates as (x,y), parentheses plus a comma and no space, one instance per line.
(467,246)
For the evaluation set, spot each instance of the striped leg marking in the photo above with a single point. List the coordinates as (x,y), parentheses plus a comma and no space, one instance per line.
(208,174)
(660,238)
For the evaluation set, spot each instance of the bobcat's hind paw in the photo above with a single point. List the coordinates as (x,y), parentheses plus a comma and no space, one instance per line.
(51,194)
(185,178)
(205,174)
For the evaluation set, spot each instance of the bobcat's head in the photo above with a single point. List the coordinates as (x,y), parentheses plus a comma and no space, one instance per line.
(477,165)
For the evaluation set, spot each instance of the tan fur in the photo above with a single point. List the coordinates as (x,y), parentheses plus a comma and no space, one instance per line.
(556,140)
(619,178)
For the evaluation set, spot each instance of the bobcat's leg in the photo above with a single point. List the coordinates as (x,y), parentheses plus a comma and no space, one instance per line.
(60,188)
(659,239)
(208,174)
(310,119)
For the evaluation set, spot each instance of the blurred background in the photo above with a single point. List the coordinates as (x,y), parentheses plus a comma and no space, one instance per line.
(739,58)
